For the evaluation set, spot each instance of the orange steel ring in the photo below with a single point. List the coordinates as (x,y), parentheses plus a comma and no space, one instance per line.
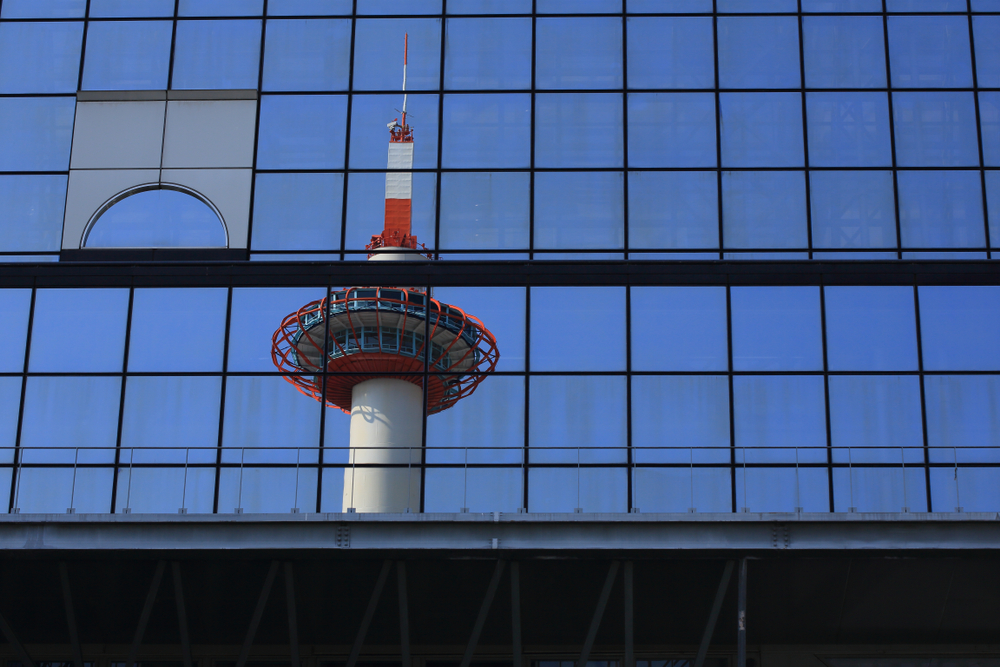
(362,333)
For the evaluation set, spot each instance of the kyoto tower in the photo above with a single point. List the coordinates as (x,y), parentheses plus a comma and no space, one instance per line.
(369,350)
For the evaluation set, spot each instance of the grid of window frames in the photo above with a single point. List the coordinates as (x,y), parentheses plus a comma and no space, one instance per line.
(551,128)
(669,399)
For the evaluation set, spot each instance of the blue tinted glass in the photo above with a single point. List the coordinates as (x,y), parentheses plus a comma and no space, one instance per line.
(165,490)
(782,489)
(962,413)
(486,131)
(776,328)
(487,427)
(36,133)
(874,415)
(268,490)
(690,221)
(297,211)
(366,208)
(489,7)
(670,52)
(178,329)
(993,203)
(53,490)
(370,137)
(989,120)
(501,310)
(985,5)
(879,489)
(173,413)
(852,209)
(870,329)
(10,404)
(395,7)
(378,54)
(578,53)
(848,130)
(758,52)
(935,129)
(578,130)
(779,413)
(217,54)
(671,414)
(679,329)
(843,51)
(740,6)
(158,219)
(31,212)
(761,129)
(475,489)
(971,489)
(553,307)
(39,57)
(941,209)
(312,54)
(127,55)
(926,5)
(677,6)
(985,30)
(487,53)
(96,318)
(958,328)
(764,209)
(301,132)
(579,210)
(671,130)
(306,7)
(267,413)
(580,411)
(930,52)
(590,489)
(14,307)
(484,210)
(841,5)
(578,6)
(67,412)
(256,315)
(682,489)
(130,8)
(220,7)
(43,9)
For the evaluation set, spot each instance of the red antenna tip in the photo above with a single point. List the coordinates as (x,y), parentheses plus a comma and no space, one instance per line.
(406,45)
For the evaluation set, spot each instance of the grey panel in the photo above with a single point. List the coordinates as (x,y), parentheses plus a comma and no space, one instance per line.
(209,133)
(89,189)
(117,135)
(227,189)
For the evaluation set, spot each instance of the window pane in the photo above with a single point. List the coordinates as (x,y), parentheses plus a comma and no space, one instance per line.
(256,315)
(779,413)
(264,415)
(489,6)
(985,30)
(679,329)
(675,414)
(930,52)
(172,413)
(370,137)
(10,406)
(678,6)
(177,329)
(578,130)
(579,210)
(848,130)
(739,6)
(764,209)
(776,328)
(127,55)
(366,208)
(843,51)
(670,52)
(158,218)
(691,220)
(993,199)
(31,212)
(841,5)
(962,412)
(577,418)
(989,120)
(306,7)
(682,489)
(486,131)
(879,489)
(220,7)
(941,209)
(603,349)
(958,328)
(270,490)
(671,130)
(378,53)
(301,132)
(53,490)
(394,7)
(852,209)
(36,133)
(14,307)
(926,5)
(50,9)
(311,54)
(758,52)
(578,53)
(475,489)
(978,489)
(870,329)
(761,129)
(484,210)
(39,57)
(783,489)
(130,8)
(935,129)
(217,54)
(578,6)
(877,412)
(486,427)
(297,211)
(63,413)
(487,53)
(165,490)
(96,318)
(591,489)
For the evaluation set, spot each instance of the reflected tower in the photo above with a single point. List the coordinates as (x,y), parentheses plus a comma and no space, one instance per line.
(384,355)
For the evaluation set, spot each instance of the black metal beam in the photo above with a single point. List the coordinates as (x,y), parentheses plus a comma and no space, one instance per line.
(484,610)
(293,619)
(713,617)
(404,614)
(182,615)
(18,647)
(515,611)
(741,617)
(258,611)
(369,612)
(147,608)
(628,613)
(74,636)
(595,622)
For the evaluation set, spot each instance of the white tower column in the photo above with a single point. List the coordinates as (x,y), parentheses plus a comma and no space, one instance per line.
(386,427)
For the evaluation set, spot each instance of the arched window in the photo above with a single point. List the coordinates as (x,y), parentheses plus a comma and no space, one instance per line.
(156,217)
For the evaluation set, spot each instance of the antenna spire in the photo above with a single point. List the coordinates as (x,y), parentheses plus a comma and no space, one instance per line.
(406,48)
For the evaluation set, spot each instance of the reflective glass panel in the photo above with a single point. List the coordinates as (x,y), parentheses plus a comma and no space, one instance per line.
(554,344)
(852,209)
(165,490)
(297,211)
(682,490)
(366,208)
(676,417)
(395,7)
(217,54)
(577,418)
(565,489)
(578,6)
(993,201)
(130,8)
(670,52)
(501,310)
(678,6)
(177,329)
(882,489)
(40,57)
(764,209)
(783,489)
(679,329)
(158,218)
(475,489)
(776,328)
(574,53)
(758,52)
(486,131)
(484,210)
(989,122)
(489,7)
(935,129)
(941,209)
(985,30)
(10,405)
(14,307)
(971,489)
(301,132)
(848,130)
(486,427)
(36,133)
(306,7)
(739,6)
(127,55)
(958,327)
(870,329)
(690,221)
(671,130)
(926,5)
(44,9)
(370,136)
(307,54)
(487,53)
(378,53)
(579,210)
(761,129)
(78,330)
(779,413)
(220,7)
(930,52)
(843,51)
(841,5)
(270,490)
(963,412)
(264,415)
(876,415)
(54,490)
(31,212)
(64,413)
(171,419)
(578,130)
(256,315)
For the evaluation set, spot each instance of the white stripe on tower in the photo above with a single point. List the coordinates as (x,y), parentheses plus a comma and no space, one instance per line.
(400,185)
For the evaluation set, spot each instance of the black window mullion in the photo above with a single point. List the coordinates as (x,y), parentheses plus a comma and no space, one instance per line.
(718,137)
(15,465)
(826,399)
(923,400)
(222,400)
(979,134)
(347,134)
(892,129)
(732,406)
(256,134)
(121,404)
(805,133)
